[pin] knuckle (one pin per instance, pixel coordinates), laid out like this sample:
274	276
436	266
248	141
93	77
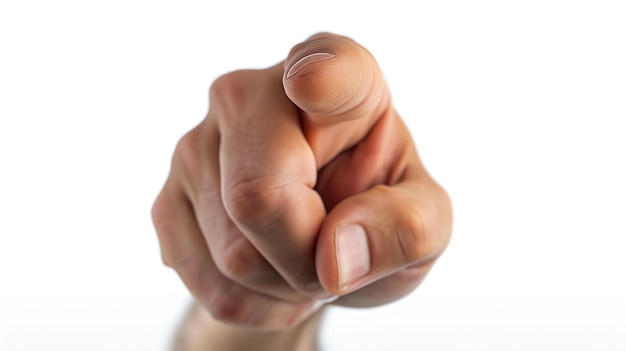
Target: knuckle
167	259
163	224
426	229
412	234
189	268
236	260
158	213
225	308
412	237
233	305
443	217
187	265
231	89
187	153
257	202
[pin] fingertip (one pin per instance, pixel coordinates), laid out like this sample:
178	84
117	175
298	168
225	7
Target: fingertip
318	81
306	60
330	75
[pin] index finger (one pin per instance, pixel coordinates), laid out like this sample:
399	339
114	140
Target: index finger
340	89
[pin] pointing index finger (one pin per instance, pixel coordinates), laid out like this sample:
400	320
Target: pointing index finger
340	89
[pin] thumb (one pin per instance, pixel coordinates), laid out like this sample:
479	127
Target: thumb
340	90
382	231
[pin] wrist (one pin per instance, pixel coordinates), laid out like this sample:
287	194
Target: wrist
199	331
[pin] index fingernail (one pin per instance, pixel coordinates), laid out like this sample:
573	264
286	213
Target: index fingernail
316	56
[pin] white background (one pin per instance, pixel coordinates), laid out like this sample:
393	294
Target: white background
517	108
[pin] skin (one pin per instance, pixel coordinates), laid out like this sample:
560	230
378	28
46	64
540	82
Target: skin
252	213
199	331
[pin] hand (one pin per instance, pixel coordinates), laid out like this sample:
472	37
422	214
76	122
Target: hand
301	184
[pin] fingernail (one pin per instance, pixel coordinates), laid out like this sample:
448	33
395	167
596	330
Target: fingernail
353	255
317	56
